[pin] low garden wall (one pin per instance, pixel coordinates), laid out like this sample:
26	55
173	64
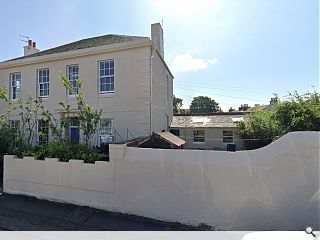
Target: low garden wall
272	188
74	181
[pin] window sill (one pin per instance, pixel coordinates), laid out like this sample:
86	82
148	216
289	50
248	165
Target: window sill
225	144
199	142
44	99
107	94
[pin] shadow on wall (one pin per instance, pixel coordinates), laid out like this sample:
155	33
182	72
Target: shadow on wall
267	218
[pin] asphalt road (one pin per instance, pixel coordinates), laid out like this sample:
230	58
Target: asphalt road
21	213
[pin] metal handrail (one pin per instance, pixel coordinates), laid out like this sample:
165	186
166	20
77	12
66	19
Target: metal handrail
117	134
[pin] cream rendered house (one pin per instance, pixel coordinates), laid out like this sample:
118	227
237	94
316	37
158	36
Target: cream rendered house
125	76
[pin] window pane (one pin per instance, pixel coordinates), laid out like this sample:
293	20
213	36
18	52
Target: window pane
228	136
15	83
43	78
106	72
227	133
17	92
43	132
106	131
108	81
73	76
198	136
103	88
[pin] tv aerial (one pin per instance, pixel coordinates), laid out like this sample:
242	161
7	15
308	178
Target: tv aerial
24	38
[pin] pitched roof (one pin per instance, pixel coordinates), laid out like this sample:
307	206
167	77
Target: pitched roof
84	43
171	138
203	121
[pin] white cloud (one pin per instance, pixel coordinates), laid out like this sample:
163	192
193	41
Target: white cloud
186	62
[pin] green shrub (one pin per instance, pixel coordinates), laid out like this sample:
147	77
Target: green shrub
40	152
26	152
62	150
259	130
88	154
296	113
6	139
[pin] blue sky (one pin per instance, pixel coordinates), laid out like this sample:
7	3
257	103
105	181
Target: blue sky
235	51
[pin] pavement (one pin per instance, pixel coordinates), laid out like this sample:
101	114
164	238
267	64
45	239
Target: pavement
22	213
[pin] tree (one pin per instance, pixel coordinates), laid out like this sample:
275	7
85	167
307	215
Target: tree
299	112
296	113
202	104
177	104
88	117
259	130
6	137
29	113
231	109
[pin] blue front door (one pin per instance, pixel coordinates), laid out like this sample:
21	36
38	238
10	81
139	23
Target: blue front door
74	134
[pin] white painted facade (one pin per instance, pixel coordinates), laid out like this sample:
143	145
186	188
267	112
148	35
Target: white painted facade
272	188
142	98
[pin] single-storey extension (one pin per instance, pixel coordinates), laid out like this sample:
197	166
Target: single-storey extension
212	131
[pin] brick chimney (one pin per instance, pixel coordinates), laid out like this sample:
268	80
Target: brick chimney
157	37
273	101
30	48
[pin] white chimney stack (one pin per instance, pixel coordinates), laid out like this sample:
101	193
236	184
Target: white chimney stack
30	48
157	37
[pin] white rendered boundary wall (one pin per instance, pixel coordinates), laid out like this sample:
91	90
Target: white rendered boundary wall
272	188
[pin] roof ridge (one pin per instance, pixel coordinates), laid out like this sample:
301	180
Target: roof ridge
82	44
